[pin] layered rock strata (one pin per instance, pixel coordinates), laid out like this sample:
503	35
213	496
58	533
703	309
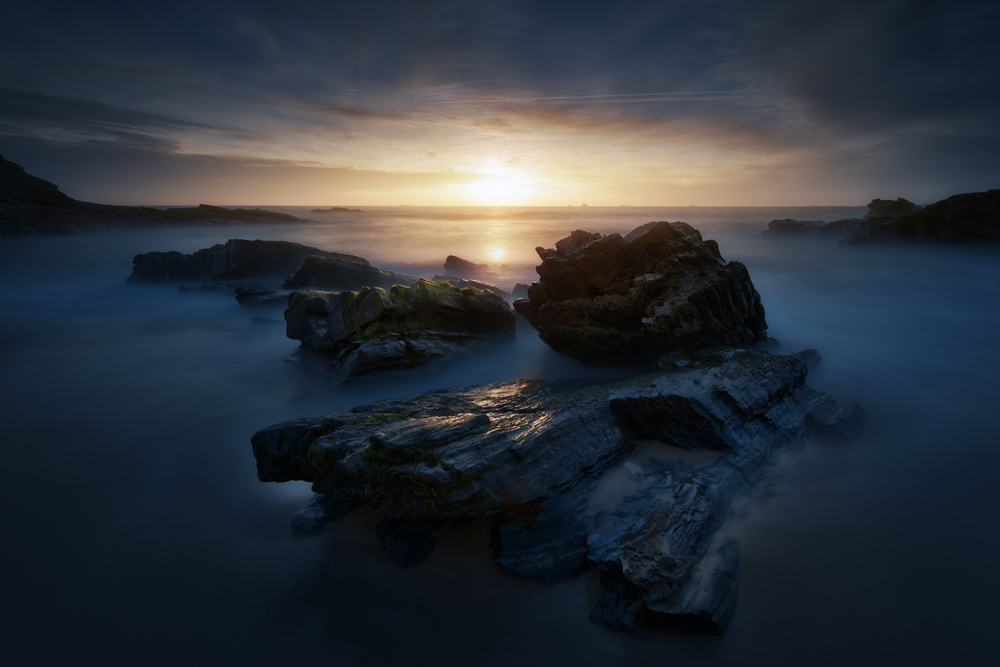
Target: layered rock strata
548	464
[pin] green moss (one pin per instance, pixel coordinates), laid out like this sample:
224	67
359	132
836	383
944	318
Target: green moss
388	417
401	492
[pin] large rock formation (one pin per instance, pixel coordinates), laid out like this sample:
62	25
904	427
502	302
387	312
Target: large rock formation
624	300
375	329
30	205
547	463
237	260
325	272
966	218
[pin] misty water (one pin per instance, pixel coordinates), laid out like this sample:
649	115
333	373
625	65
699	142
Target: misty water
135	530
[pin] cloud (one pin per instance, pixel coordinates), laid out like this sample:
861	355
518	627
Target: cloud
262	38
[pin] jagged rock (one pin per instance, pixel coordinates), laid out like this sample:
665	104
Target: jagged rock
790	226
237	260
19	188
543	461
375	329
661	288
889	208
966	218
465	282
520	291
463	268
342	273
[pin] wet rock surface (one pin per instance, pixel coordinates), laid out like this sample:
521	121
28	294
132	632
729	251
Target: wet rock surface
374	329
548	464
624	300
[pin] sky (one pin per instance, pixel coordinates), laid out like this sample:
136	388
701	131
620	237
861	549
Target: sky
533	103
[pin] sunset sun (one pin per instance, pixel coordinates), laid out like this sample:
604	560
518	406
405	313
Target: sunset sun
497	190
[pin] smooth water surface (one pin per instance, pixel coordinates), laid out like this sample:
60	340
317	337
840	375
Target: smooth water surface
135	530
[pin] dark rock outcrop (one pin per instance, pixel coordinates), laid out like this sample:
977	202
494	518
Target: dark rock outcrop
624	300
336	209
966	218
789	226
237	260
377	329
463	268
342	273
548	464
30	205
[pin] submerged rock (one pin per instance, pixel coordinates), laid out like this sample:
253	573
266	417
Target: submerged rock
966	218
624	300
319	271
545	462
237	260
376	329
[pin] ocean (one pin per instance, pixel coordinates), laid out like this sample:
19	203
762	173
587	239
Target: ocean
135	530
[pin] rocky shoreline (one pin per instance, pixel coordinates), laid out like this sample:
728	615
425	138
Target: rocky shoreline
968	218
31	206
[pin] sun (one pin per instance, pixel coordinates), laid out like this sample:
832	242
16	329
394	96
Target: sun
497	190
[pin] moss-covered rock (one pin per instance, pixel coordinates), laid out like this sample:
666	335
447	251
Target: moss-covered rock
375	328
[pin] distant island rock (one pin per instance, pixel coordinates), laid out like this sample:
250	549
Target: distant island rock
30	206
547	464
965	218
659	289
336	209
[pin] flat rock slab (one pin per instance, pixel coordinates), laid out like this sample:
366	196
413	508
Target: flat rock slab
547	463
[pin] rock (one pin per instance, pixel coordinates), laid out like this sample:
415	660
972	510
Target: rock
966	218
237	260
545	462
30	206
889	208
375	329
336	209
520	291
463	268
342	273
19	188
790	226
661	288
322	509
464	282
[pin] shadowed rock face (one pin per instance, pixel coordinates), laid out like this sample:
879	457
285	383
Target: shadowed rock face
328	272
966	218
546	462
19	188
623	300
376	329
236	260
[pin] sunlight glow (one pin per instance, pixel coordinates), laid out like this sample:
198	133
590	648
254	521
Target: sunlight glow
496	254
497	190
